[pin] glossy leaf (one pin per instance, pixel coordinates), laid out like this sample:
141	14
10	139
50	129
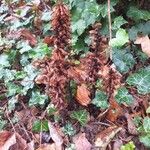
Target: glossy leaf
100	100
140	80
123	60
40	125
123	96
81	116
37	99
121	38
137	14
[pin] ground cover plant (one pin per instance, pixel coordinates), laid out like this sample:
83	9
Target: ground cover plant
74	75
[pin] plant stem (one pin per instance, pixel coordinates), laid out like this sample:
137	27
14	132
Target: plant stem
110	28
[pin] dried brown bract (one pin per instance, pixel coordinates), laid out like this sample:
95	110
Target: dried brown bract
61	26
54	70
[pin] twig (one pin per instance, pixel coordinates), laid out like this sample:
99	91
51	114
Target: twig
110	28
7	115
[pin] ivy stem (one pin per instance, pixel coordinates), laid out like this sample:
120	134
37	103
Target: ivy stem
110	29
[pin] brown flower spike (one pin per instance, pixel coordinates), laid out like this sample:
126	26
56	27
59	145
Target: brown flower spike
53	70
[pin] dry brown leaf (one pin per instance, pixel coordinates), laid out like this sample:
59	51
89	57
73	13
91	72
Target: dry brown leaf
104	137
49	40
30	146
83	95
117	144
47	147
114	111
20	144
14	141
131	126
25	33
55	135
145	44
7	139
81	142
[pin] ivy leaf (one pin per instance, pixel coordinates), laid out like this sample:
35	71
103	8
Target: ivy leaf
137	14
140	79
123	96
12	103
123	60
46	16
81	116
79	26
68	129
40	125
121	38
129	146
28	81
20	75
146	124
145	140
23	46
9	75
100	100
104	8
118	22
3	123
143	28
37	98
13	89
4	60
40	51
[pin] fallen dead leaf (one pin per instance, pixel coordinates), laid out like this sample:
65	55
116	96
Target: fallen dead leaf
25	33
47	147
117	144
30	146
20	144
81	142
7	139
49	40
114	111
131	126
55	135
14	141
104	137
83	95
145	44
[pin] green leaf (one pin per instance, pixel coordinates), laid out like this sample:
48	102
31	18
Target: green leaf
100	100
68	129
3	123
46	16
40	126
123	60
136	14
118	22
37	98
129	146
40	51
121	38
79	26
12	103
145	140
143	28
51	109
23	46
140	80
4	60
123	96
13	89
81	116
146	124
20	75
28	81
